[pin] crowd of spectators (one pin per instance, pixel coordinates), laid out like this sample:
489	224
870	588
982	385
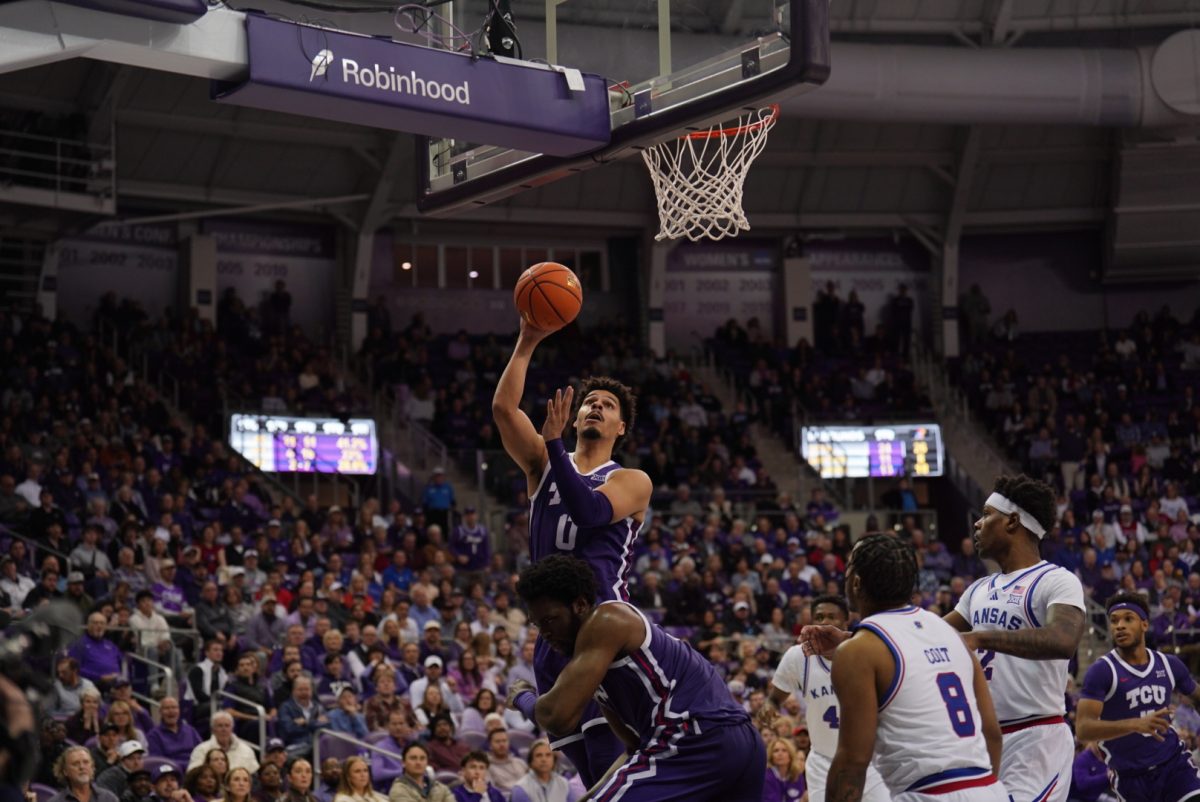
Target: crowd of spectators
385	625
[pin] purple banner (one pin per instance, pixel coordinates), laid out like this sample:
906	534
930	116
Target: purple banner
718	257
314	72
177	11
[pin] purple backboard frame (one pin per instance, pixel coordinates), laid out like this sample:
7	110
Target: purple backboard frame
178	11
808	65
284	76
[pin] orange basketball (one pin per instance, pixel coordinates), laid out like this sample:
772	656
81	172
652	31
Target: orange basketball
548	295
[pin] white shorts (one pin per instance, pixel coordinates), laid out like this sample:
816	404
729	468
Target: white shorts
816	774
1036	763
984	793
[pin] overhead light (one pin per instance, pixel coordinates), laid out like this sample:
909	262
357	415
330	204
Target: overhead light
406	265
473	274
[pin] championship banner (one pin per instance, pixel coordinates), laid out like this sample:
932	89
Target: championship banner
707	283
141	260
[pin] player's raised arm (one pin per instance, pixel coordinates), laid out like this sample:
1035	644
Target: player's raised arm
1090	727
1058	639
857	668
521	440
627	492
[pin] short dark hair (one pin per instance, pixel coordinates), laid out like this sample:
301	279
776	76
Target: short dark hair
412	746
475	756
558	577
835	600
887	567
1033	496
143	594
626	399
1138	600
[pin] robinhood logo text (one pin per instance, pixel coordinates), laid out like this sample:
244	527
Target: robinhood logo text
376	77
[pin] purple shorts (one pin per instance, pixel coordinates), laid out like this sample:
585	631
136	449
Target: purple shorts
1175	780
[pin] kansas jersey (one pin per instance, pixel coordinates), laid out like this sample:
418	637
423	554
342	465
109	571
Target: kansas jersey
607	549
1129	691
1022	690
665	690
929	738
810	677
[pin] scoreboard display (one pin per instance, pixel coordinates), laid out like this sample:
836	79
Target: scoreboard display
278	444
857	452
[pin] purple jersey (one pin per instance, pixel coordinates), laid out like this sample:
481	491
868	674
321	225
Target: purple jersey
666	689
607	549
1128	691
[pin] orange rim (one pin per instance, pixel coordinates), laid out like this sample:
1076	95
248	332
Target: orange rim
737	129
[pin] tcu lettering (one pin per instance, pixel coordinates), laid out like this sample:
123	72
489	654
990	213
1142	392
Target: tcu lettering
996	616
1147	694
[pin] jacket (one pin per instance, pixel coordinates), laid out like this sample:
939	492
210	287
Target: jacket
405	790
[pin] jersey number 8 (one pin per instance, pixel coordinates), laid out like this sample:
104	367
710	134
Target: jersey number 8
957	706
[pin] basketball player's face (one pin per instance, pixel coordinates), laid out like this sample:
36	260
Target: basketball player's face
1127	628
599	417
991	533
829	615
557	623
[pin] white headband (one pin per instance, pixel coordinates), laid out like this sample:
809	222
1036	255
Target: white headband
1007	506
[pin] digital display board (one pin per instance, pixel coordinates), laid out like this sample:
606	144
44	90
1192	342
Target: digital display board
278	444
900	449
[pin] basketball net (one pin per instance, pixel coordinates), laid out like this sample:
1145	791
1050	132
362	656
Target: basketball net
699	177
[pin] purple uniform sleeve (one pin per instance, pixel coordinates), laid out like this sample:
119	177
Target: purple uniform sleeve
1097	682
588	508
1183	679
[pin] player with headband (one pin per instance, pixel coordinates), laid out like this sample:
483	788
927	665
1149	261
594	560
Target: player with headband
1124	705
1025	623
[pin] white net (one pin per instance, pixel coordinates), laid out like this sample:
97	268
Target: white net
699	177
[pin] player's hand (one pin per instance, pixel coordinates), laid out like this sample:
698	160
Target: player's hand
1155	724
558	412
531	334
516	688
822	639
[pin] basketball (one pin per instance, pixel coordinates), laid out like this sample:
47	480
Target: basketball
548	296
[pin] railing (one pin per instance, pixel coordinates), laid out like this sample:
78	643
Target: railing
34	543
261	747
190	633
350	739
167	673
57	164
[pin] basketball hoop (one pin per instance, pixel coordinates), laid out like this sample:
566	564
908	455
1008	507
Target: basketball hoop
698	177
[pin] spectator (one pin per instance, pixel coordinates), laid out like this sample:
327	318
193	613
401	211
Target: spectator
785	772
266	629
385	700
116	778
331	775
205	680
470	543
346	717
87	721
202	783
76	777
141	787
300	717
355	783
475	786
445	751
68	686
121	714
52	739
99	658
15	584
433	676
505	769
438	499
173	738
542	783
223	737
104	753
77	593
415	784
299	782
384	767
245	685
87	556
239	785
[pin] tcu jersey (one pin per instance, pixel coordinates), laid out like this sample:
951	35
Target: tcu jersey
607	549
666	690
1129	691
929	738
1022	690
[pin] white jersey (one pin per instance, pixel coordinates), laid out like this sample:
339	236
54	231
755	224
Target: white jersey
930	734
1022	690
810	677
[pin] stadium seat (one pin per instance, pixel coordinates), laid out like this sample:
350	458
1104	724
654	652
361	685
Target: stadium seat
42	792
334	746
520	741
475	740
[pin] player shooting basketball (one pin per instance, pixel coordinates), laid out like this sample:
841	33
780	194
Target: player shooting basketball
582	504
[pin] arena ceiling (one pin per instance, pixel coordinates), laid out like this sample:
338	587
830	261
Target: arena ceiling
178	152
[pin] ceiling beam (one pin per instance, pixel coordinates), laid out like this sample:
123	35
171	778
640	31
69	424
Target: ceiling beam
286	131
